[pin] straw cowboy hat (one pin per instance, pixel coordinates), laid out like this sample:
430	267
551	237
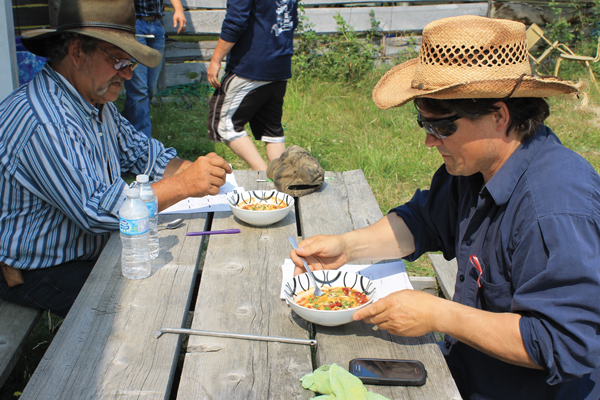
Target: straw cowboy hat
112	21
468	57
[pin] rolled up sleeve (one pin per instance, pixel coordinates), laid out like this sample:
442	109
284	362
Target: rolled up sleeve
431	216
559	324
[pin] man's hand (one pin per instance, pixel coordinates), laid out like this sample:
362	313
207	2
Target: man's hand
403	313
212	73
388	238
183	179
178	16
415	313
205	176
320	252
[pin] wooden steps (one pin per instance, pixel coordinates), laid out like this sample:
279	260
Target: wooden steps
17	323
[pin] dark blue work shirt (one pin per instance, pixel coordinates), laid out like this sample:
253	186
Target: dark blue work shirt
535	226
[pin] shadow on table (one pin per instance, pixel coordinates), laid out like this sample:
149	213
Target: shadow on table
165	257
362	329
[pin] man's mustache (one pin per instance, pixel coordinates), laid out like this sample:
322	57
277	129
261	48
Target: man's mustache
117	79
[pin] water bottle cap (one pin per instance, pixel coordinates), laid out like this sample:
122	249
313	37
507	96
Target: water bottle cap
133	192
142	178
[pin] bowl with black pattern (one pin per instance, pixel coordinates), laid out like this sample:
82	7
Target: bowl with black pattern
260	207
302	286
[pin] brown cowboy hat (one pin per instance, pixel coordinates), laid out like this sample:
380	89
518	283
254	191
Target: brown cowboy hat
112	21
468	57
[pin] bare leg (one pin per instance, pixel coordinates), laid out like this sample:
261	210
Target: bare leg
274	150
247	151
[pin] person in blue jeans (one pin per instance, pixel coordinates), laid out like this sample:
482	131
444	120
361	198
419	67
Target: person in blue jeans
141	87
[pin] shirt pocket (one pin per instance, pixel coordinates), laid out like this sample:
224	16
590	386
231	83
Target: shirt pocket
497	296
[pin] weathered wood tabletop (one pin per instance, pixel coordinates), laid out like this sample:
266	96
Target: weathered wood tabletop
106	347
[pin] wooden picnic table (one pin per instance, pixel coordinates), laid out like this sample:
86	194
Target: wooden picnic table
107	348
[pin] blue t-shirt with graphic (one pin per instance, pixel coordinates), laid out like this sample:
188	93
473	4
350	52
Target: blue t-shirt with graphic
263	33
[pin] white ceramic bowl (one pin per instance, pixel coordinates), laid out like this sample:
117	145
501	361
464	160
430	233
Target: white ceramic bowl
260	218
329	278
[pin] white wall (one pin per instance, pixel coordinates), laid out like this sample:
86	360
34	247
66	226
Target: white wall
8	55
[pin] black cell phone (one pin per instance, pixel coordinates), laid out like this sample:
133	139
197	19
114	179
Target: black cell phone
377	371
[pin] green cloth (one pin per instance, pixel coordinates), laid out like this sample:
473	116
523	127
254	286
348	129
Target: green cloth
335	383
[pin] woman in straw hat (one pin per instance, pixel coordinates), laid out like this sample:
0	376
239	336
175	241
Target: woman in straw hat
519	211
64	147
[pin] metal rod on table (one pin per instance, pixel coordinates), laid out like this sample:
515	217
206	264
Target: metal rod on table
308	342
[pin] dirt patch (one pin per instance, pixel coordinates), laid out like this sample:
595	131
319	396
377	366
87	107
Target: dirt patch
596	111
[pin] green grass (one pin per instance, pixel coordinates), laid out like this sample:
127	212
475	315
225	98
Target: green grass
181	123
194	39
344	130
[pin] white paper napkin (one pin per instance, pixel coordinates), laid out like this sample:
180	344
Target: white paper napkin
215	203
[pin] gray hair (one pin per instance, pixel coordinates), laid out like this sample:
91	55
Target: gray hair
57	47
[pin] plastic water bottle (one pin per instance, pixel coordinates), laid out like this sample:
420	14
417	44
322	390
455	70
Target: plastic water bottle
148	196
133	222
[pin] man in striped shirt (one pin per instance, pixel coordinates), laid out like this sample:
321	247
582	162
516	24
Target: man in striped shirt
64	147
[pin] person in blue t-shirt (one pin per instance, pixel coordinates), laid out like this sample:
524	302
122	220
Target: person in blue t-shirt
519	211
257	38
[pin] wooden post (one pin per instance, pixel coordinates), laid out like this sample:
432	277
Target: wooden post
8	52
53	12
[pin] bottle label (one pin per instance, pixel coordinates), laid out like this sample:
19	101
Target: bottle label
152	208
134	226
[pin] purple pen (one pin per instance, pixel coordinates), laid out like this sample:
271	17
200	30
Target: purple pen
212	232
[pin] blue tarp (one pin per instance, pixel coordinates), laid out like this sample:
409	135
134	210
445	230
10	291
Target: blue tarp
29	64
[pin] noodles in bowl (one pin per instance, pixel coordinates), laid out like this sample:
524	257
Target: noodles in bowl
335	298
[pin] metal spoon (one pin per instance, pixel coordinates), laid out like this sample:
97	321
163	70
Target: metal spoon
318	292
175	223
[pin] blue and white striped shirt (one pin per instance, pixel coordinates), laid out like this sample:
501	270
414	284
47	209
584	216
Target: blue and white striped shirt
60	172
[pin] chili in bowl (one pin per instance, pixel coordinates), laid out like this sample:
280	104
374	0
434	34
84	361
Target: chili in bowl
260	207
345	293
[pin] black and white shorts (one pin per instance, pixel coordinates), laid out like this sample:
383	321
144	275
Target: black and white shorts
240	101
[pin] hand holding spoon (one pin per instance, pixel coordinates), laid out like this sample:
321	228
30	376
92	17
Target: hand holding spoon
318	292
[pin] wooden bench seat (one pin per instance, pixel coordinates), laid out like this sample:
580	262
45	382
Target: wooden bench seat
445	272
16	324
424	283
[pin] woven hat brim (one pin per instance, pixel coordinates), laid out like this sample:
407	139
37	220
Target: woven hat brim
32	40
395	89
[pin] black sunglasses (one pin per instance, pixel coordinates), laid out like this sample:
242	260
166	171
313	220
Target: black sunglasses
120	63
439	128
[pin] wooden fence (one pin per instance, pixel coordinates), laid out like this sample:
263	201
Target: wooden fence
187	62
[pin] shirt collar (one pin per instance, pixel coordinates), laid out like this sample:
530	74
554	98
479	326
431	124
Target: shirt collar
503	183
76	98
